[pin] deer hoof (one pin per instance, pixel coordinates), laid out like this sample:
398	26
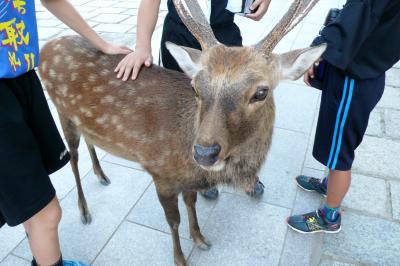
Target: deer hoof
86	218
203	244
105	181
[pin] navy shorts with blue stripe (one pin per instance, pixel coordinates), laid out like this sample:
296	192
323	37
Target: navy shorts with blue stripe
346	105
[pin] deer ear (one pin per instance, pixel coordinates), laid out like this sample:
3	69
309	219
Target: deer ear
187	58
295	63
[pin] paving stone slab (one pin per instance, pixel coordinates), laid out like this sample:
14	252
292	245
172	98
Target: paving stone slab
365	239
134	245
148	212
395	193
108	205
390	98
10	237
47	33
329	262
375	157
15	261
369	195
120	161
375	123
295	107
393	77
115	27
392	123
110	18
310	161
243	232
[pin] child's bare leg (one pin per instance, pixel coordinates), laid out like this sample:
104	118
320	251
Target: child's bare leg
42	230
338	185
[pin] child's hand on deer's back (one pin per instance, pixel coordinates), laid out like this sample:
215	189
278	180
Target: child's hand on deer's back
110	48
133	62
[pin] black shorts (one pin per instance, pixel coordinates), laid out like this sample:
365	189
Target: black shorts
30	149
346	104
177	33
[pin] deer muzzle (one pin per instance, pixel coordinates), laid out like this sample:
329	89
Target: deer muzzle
206	156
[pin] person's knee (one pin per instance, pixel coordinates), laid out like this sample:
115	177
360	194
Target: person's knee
47	219
53	215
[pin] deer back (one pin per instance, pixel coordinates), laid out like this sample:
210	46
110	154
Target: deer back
136	120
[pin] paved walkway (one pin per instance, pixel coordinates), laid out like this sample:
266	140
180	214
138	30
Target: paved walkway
129	228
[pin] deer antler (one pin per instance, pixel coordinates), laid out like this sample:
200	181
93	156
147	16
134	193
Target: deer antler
196	22
296	13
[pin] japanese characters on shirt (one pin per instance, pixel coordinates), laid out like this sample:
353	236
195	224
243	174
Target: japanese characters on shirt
19	49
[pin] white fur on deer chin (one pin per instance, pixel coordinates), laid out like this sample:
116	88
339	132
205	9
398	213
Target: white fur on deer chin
219	166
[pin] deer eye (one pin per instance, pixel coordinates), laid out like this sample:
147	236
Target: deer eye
260	95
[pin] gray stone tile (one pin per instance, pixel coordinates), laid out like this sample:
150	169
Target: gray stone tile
127	39
295	107
390	98
310	161
365	239
395	194
375	124
300	249
375	157
116	27
156	218
46	33
369	195
393	77
392	123
100	3
10	237
109	18
309	32
116	160
15	261
137	245
48	23
243	232
330	262
108	205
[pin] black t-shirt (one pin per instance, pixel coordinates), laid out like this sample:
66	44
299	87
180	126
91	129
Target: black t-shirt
364	40
219	15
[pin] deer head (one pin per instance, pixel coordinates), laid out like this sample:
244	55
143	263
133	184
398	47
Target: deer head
234	85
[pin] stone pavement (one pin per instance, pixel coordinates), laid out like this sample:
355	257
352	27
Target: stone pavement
128	225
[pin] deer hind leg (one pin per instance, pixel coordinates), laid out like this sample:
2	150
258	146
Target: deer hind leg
72	137
104	180
190	198
169	203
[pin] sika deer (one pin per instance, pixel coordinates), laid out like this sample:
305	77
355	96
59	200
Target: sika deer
210	126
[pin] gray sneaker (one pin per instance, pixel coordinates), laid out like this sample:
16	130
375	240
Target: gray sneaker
308	183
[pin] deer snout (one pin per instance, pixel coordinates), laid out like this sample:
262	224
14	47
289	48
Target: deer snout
206	156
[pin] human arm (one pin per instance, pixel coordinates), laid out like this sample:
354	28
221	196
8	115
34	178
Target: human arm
146	22
260	7
64	11
350	29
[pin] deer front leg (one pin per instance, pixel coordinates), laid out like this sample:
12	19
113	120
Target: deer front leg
169	203
72	136
98	171
190	198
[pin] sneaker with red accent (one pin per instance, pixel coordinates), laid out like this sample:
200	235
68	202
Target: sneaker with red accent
314	222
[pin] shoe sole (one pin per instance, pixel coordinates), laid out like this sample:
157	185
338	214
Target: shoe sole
314	232
309	190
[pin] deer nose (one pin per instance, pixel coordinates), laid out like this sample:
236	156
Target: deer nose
206	156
